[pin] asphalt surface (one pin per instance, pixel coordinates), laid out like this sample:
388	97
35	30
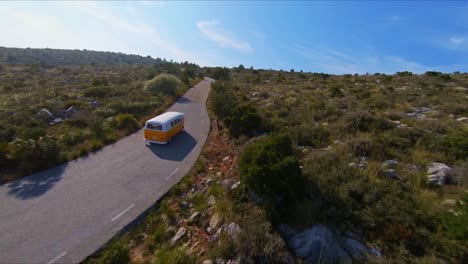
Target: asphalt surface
65	214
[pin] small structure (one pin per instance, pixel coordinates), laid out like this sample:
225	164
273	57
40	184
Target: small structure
72	110
45	115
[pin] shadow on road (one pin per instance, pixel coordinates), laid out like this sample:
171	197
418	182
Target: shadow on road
184	100
176	150
36	184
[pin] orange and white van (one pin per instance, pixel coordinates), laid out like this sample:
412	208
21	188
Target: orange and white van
162	128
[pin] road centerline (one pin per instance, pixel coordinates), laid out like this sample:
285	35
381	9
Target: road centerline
57	257
172	173
123	212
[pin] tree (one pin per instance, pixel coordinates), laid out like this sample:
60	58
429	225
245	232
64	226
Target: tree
221	74
269	167
163	83
222	100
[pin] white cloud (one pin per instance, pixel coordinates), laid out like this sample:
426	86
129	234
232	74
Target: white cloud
457	40
334	61
215	33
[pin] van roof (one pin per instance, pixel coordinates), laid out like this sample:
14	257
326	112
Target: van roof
163	118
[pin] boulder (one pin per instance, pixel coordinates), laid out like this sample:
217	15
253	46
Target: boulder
462	119
438	173
178	235
207	261
321	244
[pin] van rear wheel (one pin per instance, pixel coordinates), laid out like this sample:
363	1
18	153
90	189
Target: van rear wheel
170	140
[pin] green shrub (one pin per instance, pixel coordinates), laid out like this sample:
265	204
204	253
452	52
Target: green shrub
98	92
222	99
364	121
257	240
364	146
116	252
455	222
269	168
335	91
311	135
4	151
244	120
34	155
175	256
127	122
163	83
457	144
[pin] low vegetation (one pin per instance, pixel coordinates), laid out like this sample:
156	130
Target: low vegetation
57	105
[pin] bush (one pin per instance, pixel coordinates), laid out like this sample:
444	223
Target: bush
457	144
244	120
364	121
4	150
175	256
99	92
311	135
258	242
223	100
269	168
163	83
127	122
36	154
117	252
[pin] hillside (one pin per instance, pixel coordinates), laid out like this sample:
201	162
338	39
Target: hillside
344	168
57	105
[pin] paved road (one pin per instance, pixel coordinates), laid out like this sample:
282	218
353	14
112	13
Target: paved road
65	214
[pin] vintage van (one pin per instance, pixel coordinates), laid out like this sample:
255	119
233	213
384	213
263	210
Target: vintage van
162	128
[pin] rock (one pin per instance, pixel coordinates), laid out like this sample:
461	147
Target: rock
178	235
352	164
255	94
462	119
390	163
228	183
233	229
45	115
209	230
390	173
220	261
95	104
219	174
226	159
285	231
194	217
208	261
449	202
184	204
61	114
211	200
437	173
460	89
214	221
362	166
320	244
235	185
363	159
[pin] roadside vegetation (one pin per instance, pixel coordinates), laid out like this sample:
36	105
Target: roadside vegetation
58	105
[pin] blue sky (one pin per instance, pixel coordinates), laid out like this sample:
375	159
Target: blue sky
332	37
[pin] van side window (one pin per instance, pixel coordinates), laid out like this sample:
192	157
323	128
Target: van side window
172	123
154	126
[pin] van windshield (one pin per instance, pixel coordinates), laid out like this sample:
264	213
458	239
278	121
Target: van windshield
154	126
